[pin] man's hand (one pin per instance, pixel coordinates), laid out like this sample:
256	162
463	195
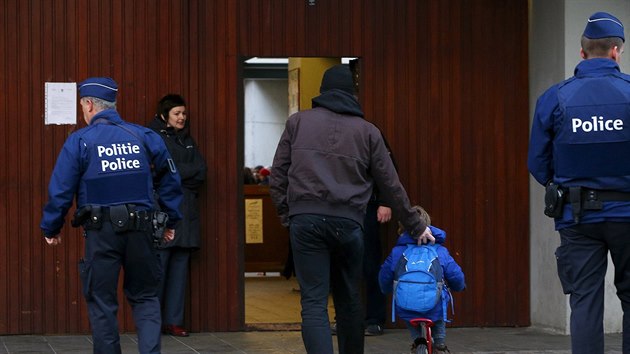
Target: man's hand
426	237
383	214
53	241
168	235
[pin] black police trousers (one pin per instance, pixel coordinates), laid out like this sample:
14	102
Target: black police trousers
105	253
582	261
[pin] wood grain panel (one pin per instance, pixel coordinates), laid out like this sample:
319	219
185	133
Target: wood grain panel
455	115
432	84
5	279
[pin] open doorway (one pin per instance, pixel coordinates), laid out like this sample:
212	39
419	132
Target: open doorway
273	88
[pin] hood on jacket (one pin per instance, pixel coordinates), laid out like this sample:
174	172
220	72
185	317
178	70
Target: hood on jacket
405	238
338	101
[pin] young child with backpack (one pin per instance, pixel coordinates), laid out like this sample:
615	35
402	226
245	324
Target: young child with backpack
431	265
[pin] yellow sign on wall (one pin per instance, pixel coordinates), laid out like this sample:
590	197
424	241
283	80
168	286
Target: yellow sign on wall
253	221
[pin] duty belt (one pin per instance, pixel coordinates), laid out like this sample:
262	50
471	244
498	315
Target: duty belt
591	199
131	220
122	217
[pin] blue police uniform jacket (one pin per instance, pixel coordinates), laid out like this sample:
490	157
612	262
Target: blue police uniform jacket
108	163
581	137
453	274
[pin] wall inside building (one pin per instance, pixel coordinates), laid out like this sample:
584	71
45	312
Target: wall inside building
267	107
266	111
555	31
310	71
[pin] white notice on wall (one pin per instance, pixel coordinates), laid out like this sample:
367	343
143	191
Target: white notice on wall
60	103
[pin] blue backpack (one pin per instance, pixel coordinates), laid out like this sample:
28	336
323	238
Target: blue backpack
418	280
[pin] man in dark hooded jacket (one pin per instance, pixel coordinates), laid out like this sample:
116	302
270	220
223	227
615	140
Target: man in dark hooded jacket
326	164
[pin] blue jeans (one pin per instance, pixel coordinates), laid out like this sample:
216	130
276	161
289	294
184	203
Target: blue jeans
438	332
582	261
328	255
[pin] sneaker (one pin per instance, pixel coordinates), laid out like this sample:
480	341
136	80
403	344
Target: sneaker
373	330
441	349
333	328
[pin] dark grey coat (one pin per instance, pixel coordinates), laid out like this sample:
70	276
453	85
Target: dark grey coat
192	169
328	160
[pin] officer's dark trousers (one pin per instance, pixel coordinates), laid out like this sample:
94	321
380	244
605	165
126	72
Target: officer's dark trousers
105	253
172	290
582	262
328	255
372	259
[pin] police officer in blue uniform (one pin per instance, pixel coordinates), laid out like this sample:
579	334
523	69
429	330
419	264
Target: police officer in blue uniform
112	167
580	151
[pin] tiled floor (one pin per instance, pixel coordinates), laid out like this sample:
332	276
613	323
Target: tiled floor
274	300
271	300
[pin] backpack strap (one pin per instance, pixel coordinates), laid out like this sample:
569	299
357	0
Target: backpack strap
394	302
445	304
443	288
400	269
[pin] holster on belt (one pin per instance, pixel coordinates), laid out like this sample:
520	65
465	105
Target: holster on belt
575	197
89	216
158	220
554	200
81	215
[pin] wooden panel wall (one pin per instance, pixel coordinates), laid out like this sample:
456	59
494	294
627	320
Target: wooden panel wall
151	48
445	80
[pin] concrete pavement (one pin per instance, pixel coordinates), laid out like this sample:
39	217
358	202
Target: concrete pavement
459	340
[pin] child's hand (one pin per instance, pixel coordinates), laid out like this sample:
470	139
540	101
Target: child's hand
426	237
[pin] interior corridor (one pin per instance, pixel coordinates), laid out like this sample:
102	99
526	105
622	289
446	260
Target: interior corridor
273	302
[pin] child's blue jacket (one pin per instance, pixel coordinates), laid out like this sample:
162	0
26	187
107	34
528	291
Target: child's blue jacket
452	273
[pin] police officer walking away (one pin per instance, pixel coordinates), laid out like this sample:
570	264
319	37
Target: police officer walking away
108	165
580	150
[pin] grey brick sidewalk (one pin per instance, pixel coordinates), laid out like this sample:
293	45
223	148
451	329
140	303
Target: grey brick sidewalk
459	340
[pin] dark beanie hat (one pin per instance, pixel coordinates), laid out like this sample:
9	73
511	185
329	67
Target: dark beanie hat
338	77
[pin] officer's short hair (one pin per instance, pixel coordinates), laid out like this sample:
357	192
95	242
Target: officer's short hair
167	103
599	47
101	104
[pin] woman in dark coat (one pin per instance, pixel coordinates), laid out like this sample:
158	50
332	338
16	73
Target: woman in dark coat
173	126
